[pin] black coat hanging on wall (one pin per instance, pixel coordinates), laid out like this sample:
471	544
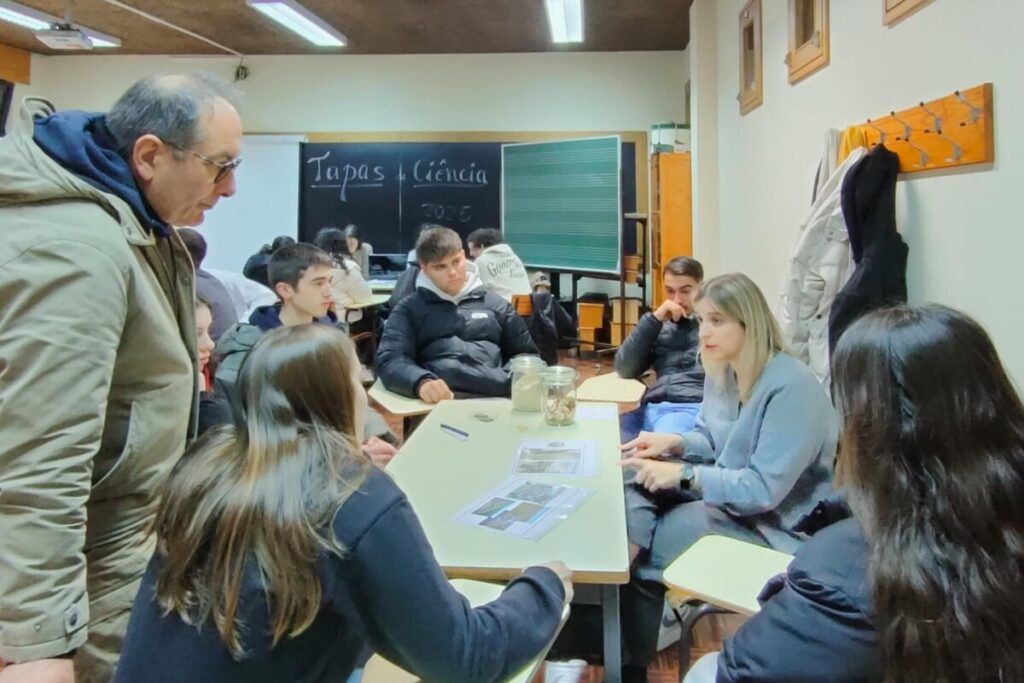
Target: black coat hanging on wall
880	254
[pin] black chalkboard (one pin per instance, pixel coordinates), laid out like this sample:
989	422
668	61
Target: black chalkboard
389	188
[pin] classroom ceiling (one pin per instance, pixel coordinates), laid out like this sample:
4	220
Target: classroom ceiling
372	26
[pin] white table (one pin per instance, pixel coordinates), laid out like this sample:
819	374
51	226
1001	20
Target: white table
442	474
386	286
375	300
380	670
726	572
611	388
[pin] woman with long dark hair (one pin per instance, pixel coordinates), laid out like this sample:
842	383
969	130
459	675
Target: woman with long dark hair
282	555
925	584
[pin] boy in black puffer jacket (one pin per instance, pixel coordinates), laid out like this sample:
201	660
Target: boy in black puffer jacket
451	337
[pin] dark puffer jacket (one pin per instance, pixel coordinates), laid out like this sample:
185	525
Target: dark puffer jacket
816	622
671	349
547	324
465	344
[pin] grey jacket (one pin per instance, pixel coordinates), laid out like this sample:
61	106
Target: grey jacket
670	348
769	461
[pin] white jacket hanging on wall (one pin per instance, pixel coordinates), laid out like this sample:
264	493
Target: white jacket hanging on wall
819	267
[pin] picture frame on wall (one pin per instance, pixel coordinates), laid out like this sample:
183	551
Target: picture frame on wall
751	94
809	50
6	98
895	11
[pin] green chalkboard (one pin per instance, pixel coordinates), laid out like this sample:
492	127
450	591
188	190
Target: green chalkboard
561	203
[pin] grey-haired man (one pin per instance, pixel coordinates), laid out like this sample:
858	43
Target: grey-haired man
97	353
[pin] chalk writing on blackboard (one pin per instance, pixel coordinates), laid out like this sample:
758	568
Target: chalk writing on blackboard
345	177
437	173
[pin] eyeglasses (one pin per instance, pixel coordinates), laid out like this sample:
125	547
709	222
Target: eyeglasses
223	167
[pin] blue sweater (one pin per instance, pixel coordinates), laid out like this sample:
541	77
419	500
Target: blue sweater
387	594
769	461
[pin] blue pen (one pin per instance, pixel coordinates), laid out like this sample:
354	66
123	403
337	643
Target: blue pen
457	433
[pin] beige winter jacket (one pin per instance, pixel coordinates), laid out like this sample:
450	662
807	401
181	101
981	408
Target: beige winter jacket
97	396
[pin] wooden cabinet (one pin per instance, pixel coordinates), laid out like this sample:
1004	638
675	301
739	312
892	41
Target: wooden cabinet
671	215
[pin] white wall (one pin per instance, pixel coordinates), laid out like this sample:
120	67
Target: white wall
963	227
609	91
501	92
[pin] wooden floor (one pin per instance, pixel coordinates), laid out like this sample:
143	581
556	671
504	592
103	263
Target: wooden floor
710	631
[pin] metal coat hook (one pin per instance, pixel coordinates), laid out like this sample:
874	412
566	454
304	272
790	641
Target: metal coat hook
906	126
937	124
975	112
922	155
881	132
936	121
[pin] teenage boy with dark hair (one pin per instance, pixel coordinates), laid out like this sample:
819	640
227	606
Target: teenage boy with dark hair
499	267
300	275
667	340
452	335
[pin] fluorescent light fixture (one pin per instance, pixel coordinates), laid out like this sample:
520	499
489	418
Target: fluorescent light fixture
26	17
297	18
565	17
34	20
100	39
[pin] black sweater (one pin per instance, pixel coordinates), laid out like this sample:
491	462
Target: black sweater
670	348
387	594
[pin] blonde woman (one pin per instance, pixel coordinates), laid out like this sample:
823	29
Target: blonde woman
759	459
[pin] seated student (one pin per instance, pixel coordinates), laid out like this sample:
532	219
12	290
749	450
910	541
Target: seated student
667	340
924	582
759	459
451	335
301	275
208	287
347	281
255	267
283	556
213	409
357	248
548	322
500	269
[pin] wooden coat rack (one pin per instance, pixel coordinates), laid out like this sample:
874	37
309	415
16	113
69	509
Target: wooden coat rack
951	131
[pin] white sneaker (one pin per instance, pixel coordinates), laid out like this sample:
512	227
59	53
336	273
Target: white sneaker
565	672
670	630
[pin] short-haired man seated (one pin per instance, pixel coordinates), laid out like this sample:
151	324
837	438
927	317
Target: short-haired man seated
451	336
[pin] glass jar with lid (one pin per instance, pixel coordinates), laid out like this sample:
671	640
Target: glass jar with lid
559	395
527	386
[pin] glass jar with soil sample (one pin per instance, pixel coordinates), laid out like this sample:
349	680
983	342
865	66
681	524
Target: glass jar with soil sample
527	386
559	395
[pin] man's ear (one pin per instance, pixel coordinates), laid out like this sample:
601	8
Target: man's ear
284	290
144	155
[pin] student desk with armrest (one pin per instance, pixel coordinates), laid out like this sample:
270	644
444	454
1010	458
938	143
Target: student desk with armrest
720	574
612	389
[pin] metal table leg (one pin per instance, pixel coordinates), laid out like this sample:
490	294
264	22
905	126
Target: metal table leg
612	634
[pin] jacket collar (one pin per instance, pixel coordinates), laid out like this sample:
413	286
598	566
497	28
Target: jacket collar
66	183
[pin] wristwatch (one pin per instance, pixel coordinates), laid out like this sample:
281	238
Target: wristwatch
686	476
